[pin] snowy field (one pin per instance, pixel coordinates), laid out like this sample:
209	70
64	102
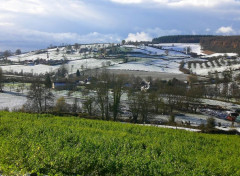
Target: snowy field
52	54
155	51
195	119
77	60
195	48
36	69
72	66
150	66
11	101
220	65
205	71
222	54
151	60
164	64
14	100
91	63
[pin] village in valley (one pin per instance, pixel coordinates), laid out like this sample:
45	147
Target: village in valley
176	83
119	87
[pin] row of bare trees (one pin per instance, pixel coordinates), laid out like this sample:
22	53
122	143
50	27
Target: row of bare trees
109	95
40	97
104	97
8	53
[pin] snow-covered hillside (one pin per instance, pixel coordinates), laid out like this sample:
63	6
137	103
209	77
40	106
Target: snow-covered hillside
58	53
181	47
155	51
217	65
156	60
154	65
72	66
153	58
82	58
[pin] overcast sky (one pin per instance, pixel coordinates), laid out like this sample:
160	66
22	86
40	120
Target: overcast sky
35	24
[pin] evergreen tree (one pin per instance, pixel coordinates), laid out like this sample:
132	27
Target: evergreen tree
78	73
48	82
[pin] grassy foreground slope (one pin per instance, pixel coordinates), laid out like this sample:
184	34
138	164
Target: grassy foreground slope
69	146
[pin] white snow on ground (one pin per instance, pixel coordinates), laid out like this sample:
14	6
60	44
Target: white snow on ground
228	128
36	69
172	127
128	46
204	71
155	51
223	64
221	54
155	66
11	101
195	119
73	66
169	64
221	103
54	55
195	47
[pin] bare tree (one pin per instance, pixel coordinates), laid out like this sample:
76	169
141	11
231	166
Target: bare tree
61	105
62	71
225	91
76	46
39	98
88	104
144	106
134	105
234	90
192	79
167	52
18	52
6	54
188	50
156	101
75	106
117	93
102	89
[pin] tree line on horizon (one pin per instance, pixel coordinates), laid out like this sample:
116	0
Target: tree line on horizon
218	44
181	39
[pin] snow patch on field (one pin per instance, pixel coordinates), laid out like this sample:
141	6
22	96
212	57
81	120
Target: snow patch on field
73	66
52	54
221	54
36	69
155	51
152	66
172	127
221	103
11	101
195	47
205	71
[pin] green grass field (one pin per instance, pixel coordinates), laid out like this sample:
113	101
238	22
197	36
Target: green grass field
49	145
